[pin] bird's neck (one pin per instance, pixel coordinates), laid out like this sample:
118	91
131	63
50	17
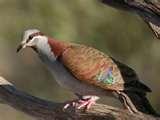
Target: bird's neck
57	47
44	50
51	49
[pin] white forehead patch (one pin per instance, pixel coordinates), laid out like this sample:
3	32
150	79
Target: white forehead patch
27	33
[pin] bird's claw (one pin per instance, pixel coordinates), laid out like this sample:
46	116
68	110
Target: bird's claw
82	103
71	103
86	103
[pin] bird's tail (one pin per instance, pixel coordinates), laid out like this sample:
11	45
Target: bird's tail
136	101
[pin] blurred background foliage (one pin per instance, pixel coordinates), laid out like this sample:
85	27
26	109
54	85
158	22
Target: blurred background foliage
118	33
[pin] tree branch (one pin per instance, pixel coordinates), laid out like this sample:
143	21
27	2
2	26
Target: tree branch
47	110
149	10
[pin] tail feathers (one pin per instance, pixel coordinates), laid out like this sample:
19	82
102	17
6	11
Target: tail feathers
137	86
141	102
142	87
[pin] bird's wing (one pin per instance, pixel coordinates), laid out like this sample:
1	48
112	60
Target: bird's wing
94	67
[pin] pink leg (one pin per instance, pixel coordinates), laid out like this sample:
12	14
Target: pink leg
85	101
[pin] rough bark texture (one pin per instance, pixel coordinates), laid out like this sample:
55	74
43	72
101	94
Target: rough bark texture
47	110
149	10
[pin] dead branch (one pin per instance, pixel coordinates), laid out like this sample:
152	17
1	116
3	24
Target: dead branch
148	10
46	110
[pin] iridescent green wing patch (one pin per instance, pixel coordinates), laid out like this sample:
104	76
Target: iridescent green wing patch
106	77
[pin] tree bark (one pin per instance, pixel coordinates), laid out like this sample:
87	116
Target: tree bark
148	10
46	110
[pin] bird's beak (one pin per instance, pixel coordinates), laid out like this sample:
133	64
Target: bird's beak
20	47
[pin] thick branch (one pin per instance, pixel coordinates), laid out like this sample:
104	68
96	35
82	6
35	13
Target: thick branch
149	10
46	110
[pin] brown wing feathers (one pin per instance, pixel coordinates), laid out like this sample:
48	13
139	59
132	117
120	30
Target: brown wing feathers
92	66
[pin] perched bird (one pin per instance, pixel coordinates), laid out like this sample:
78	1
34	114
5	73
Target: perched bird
88	72
149	10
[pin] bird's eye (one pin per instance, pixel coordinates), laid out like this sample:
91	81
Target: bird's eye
30	37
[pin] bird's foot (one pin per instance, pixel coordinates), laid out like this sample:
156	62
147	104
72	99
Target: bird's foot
85	102
70	103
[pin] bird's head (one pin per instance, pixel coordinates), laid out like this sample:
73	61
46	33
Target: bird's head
36	40
32	38
43	45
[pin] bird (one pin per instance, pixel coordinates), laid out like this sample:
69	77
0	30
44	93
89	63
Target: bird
148	10
88	72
